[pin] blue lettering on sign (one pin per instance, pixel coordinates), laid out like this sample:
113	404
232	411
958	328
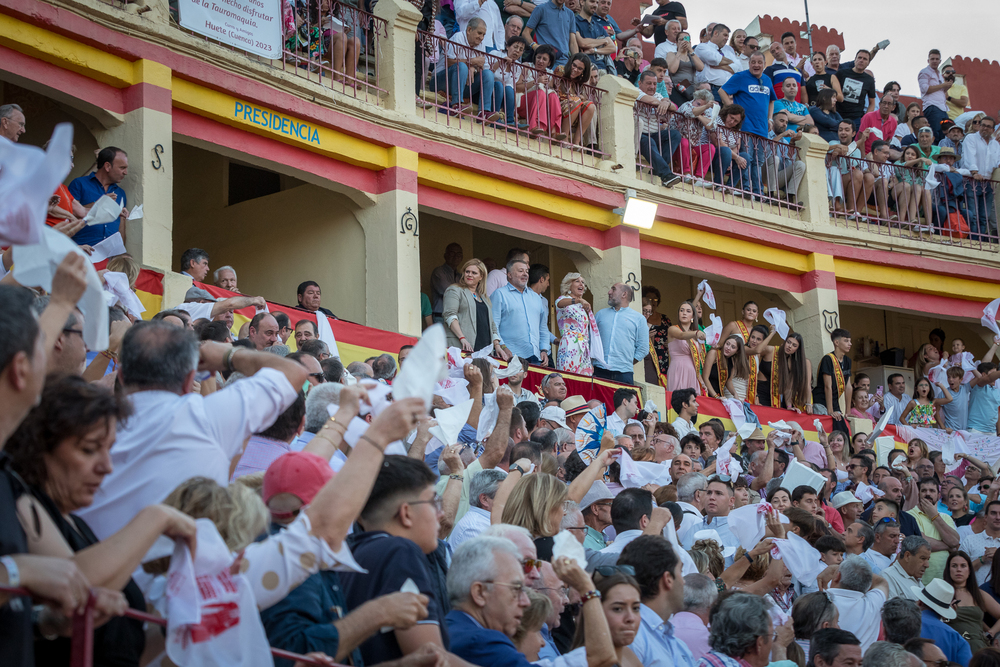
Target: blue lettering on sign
276	122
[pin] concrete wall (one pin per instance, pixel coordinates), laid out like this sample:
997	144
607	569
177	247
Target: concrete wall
274	242
894	329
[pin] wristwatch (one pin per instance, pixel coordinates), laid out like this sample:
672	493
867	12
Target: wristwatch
519	469
13	574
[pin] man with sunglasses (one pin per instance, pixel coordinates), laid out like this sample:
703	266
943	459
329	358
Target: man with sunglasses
982	547
69	354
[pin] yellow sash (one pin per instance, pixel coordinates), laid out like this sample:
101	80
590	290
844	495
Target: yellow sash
838	374
775	380
743	330
697	356
752	384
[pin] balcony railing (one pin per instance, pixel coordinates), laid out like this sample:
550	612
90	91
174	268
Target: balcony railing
717	162
333	44
894	200
486	95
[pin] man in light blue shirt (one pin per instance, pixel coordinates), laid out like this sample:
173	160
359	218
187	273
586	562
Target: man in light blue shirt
717	497
657	568
984	400
521	316
624	335
554	23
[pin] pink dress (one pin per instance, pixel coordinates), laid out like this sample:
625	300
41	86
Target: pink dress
681	373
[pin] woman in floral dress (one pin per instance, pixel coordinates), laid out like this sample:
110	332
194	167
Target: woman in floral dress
577	327
658	325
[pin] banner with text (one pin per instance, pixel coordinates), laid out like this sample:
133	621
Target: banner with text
251	25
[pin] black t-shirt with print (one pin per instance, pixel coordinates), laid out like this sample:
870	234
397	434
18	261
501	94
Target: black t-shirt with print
857	89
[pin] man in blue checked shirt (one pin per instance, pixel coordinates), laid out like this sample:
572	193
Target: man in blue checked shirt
521	316
624	335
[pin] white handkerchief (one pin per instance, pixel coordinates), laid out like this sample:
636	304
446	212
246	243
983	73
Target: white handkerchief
488	416
651	407
103	211
880	426
801	558
883	447
938	374
776	316
687	563
35	265
513	368
798	474
28	177
746	430
109	247
452	391
713	332
425	367
748	524
325	333
635	474
708	296
948	452
135	213
451	421
565	544
409	586
989	318
116	284
877	132
866	493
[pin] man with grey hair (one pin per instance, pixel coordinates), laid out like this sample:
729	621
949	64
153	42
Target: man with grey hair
689	490
315	348
859	596
522	539
320	397
384	367
521	316
11	122
672	29
573	521
172	431
886	654
907	570
225	277
741	629
700	593
901	620
596	508
360	370
883	549
553	387
482	491
624	335
513	27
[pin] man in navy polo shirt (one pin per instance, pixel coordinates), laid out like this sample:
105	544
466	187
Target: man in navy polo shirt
554	23
753	91
112	168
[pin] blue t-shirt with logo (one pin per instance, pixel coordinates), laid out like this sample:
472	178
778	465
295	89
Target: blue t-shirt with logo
754	95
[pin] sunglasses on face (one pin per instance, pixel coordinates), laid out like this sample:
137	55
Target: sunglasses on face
530	564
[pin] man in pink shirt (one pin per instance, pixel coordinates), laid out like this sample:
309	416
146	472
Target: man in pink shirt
881	119
691	624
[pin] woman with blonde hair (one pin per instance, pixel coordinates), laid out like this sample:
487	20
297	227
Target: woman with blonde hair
536	503
468	312
577	326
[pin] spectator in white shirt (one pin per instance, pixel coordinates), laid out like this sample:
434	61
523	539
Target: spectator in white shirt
626	402
488	11
897	399
882	552
982	547
482	491
498	277
669	45
859	596
172	431
685	403
933	92
981	155
718	57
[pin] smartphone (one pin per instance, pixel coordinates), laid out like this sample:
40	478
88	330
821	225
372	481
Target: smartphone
641	416
878	391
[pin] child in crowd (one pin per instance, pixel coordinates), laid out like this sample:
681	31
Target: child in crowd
831	549
920	411
955	414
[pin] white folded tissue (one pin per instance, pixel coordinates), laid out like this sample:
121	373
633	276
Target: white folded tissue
28	177
135	213
798	474
409	586
451	421
777	317
564	544
425	367
109	247
708	296
802	559
105	210
713	332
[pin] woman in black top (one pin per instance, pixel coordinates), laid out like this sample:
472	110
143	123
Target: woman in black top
62	450
820	80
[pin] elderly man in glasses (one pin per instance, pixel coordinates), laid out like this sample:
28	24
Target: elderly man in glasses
489	594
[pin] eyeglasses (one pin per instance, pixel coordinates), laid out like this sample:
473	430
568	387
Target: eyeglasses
320	377
562	589
530	564
584	528
518	588
436	501
610	570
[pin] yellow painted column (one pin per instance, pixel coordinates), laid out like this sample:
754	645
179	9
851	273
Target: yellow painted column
813	193
396	71
392	248
146	136
618	121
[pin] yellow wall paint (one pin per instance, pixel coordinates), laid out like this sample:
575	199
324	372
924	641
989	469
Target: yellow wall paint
912	280
738	250
221	107
66	53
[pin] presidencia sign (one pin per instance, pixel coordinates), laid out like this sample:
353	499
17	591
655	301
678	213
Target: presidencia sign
251	25
276	122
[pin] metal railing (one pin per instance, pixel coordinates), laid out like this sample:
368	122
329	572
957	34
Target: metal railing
334	44
892	199
82	650
486	95
717	162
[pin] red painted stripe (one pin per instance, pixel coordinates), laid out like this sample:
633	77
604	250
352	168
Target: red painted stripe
146	95
396	178
620	235
60	82
536	226
818	279
884	297
197	127
697	264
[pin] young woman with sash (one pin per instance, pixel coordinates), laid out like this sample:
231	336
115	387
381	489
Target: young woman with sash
762	355
727	370
743	325
687	352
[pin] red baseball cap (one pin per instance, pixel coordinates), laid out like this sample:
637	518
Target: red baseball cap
301	474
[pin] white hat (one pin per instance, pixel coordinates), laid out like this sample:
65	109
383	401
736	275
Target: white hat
712	534
843	498
938	596
557	415
598	491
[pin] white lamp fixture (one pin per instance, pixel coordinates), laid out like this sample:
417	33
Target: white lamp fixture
637	213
